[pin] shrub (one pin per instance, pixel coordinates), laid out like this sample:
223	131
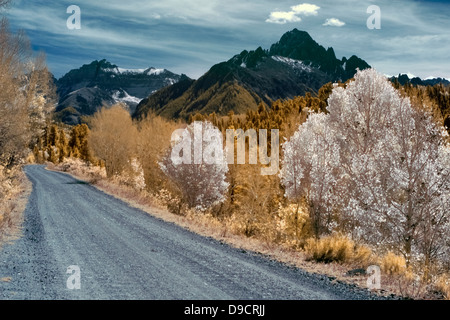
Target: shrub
393	264
336	248
443	285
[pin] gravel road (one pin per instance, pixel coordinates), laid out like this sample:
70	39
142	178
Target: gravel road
124	253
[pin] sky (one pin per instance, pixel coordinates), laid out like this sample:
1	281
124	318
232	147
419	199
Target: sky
189	37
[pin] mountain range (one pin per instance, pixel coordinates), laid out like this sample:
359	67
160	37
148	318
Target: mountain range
294	65
83	91
416	81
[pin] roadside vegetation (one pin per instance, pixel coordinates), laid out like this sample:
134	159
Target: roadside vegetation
314	213
26	101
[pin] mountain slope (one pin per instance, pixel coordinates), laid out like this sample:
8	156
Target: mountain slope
83	91
293	66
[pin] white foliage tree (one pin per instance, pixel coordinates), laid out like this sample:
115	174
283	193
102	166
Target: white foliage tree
417	187
391	160
310	159
392	180
196	164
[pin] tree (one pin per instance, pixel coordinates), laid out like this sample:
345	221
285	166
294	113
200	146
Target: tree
381	162
308	166
256	200
416	185
26	95
113	139
62	146
201	183
152	144
391	164
53	135
79	143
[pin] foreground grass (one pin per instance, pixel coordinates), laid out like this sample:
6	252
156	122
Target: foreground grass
16	189
333	256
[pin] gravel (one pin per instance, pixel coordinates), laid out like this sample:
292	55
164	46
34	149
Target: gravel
125	253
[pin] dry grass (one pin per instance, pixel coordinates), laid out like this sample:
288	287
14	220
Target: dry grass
392	264
15	190
411	282
407	285
338	248
443	285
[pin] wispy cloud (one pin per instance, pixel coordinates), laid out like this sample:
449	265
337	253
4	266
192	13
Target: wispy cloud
334	22
282	17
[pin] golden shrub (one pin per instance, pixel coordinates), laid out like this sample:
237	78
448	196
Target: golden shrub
443	285
337	248
363	256
393	264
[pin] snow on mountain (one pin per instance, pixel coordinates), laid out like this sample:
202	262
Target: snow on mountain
84	90
123	96
154	71
436	78
122	70
148	71
410	75
297	64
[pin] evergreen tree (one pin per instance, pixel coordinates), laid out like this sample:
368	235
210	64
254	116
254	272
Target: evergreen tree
62	145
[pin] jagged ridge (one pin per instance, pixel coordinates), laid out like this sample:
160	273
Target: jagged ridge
293	66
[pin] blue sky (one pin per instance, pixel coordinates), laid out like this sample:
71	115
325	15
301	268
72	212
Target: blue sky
189	37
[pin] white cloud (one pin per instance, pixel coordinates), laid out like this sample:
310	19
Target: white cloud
306	9
282	17
334	22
